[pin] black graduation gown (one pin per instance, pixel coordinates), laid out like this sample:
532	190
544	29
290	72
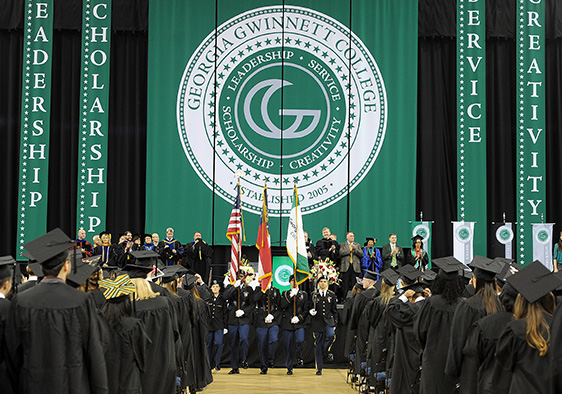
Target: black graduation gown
199	321
379	333
350	333
27	285
98	296
432	325
555	350
458	366
182	306
52	338
481	347
125	356
529	371
360	323
160	322
5	384
406	352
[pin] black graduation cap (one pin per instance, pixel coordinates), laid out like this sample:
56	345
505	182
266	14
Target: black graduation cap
369	239
215	282
50	249
94	261
6	262
146	236
104	233
416	237
428	276
178	269
416	287
534	281
189	281
33	265
409	272
485	268
169	277
80	273
449	267
322	277
390	276
509	268
371	275
145	257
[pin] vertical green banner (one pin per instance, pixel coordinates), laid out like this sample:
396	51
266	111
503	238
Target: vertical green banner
531	162
282	94
94	100
471	117
35	121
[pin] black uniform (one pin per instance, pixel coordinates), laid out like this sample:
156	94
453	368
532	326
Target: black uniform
481	347
217	324
292	306
239	327
323	324
40	352
432	327
268	333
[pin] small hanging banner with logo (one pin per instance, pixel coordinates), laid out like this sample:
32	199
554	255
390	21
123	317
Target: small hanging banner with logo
542	250
423	229
35	121
471	115
94	100
503	247
531	120
463	236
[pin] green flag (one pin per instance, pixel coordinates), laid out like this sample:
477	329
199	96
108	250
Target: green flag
296	246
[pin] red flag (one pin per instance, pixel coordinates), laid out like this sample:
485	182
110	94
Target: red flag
234	234
264	245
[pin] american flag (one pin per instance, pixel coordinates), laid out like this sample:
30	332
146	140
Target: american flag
234	234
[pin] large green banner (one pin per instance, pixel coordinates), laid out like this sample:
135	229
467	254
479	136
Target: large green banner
471	118
94	100
531	120
35	121
312	92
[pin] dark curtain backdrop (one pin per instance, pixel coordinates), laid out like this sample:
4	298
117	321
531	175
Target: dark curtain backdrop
436	170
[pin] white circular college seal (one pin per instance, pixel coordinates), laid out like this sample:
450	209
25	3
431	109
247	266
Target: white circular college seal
286	95
504	234
463	234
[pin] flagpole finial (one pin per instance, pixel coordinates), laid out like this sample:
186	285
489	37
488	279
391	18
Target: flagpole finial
504	217
421	216
238	174
542	217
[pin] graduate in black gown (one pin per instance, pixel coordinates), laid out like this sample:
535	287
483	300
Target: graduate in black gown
482	343
125	356
484	302
401	311
6	263
52	333
432	325
359	321
159	317
380	329
350	334
555	350
523	347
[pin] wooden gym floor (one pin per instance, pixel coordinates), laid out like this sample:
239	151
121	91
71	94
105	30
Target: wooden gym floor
303	381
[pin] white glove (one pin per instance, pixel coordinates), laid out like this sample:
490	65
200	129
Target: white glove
253	284
269	318
295	320
237	283
225	331
239	313
294	292
226	281
312	312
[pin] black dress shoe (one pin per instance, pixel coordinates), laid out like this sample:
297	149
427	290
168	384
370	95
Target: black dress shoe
330	357
263	371
234	371
289	372
270	364
244	364
300	362
218	368
319	372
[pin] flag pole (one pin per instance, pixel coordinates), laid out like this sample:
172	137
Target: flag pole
297	244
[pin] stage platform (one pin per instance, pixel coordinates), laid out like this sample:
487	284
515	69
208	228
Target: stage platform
303	381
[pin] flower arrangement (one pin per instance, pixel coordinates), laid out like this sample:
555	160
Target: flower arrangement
325	268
